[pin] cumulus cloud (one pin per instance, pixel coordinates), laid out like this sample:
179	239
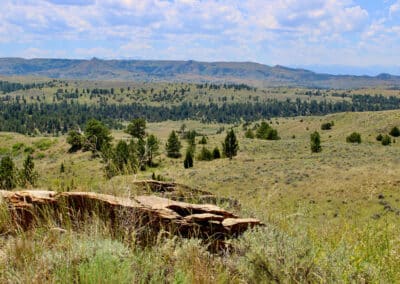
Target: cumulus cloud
259	30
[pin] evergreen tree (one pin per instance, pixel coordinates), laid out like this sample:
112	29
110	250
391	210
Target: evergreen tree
153	146
203	140
141	151
137	128
188	162
191	137
121	155
262	130
272	134
216	153
97	135
230	145
395	132
76	140
28	175
315	142
173	146
265	131
7	173
62	168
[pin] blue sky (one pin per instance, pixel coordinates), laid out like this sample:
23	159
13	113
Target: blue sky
312	33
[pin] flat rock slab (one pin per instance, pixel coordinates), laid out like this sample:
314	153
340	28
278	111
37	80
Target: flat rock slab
151	213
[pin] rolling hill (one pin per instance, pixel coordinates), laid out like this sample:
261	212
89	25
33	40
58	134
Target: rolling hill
187	71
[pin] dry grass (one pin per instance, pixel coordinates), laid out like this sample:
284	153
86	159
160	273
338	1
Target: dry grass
327	220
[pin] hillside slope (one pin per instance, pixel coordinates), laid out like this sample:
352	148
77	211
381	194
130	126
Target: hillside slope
186	71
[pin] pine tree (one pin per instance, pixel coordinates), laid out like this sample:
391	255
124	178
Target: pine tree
216	153
262	130
7	173
62	168
141	151
152	145
121	155
98	135
137	128
76	140
266	132
315	141
188	162
28	175
173	146
230	145
203	140
395	132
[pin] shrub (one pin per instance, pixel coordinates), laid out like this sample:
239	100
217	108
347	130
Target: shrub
249	134
326	126
205	155
379	137
265	131
43	144
315	141
272	134
395	132
354	137
386	140
17	147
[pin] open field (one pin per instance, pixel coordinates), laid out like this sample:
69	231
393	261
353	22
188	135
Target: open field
341	206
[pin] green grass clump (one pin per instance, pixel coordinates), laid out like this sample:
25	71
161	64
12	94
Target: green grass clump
43	144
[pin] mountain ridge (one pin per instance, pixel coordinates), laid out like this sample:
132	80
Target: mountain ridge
187	71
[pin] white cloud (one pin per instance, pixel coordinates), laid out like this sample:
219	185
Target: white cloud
270	31
394	8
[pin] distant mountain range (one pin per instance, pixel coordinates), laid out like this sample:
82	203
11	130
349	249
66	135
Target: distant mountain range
187	71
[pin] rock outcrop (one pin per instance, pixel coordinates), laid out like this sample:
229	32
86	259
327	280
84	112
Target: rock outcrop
143	214
181	192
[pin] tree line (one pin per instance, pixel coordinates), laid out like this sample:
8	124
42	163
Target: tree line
8	87
59	118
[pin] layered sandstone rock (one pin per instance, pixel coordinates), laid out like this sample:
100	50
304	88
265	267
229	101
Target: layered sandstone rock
142	213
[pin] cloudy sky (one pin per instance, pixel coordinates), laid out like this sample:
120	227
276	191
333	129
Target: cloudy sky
287	32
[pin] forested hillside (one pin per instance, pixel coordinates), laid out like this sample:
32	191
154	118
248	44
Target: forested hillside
55	106
186	71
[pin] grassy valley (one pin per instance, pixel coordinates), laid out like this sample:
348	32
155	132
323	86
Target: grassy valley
331	216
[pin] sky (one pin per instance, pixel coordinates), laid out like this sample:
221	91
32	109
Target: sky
320	34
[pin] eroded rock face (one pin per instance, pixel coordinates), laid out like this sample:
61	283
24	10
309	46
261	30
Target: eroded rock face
142	213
